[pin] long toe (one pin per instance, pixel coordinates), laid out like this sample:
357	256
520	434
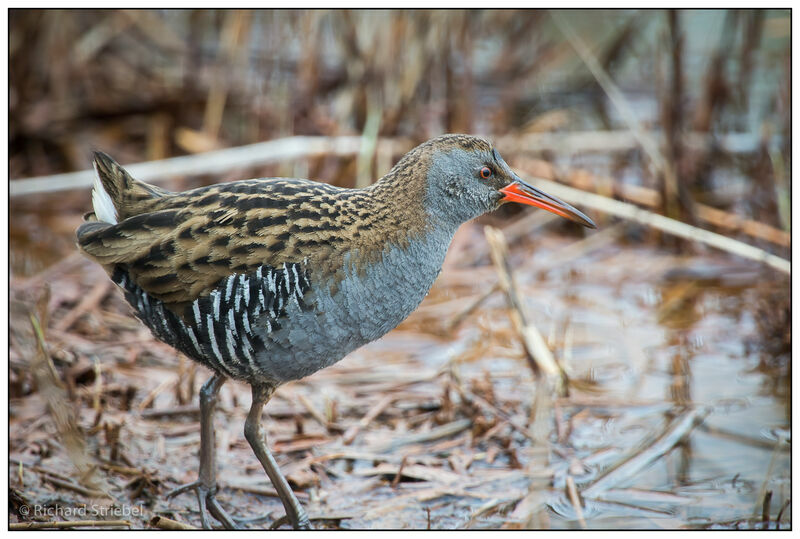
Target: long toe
220	513
183	488
303	522
208	505
201	501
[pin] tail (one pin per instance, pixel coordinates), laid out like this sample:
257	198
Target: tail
116	194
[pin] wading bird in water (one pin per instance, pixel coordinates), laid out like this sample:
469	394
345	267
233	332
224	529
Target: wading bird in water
270	280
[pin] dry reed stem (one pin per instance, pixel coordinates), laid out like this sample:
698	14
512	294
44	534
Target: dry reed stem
575	499
468	395
540	358
74	487
780	513
55	396
651	198
154	28
736	223
376	410
68	524
623	140
488	507
235	27
38	469
442	431
316	414
743	438
89	302
300	147
262	490
672	435
399	473
613	92
671	226
49	274
214	162
415	471
529	512
164	523
369	143
469	309
185	409
148	400
761	499
765	509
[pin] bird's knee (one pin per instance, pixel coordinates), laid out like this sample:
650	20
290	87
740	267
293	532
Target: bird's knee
252	431
209	390
207	395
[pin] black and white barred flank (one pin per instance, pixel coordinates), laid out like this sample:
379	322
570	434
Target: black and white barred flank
218	329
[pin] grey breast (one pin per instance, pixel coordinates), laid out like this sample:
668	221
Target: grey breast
365	306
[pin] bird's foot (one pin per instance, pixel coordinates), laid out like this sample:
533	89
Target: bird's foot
207	500
303	522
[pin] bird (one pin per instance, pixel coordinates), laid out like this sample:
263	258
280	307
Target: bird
269	280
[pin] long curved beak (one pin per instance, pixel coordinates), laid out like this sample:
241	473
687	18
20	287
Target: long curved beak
524	193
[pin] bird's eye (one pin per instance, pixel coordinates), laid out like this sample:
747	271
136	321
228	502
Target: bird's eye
486	173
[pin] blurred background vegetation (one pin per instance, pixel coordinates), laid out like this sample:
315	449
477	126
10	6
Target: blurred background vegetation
151	84
146	85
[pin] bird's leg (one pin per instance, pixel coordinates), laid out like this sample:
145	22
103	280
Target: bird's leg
206	484
254	433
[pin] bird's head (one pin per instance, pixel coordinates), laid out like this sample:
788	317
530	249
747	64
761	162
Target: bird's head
466	177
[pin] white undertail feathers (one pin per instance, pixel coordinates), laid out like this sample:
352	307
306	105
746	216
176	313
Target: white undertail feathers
103	206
